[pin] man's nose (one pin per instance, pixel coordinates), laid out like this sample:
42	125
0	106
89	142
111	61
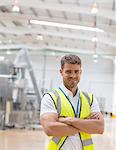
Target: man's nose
73	74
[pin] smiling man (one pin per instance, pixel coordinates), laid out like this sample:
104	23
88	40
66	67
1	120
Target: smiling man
69	116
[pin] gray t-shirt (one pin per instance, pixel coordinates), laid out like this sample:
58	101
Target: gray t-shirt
47	106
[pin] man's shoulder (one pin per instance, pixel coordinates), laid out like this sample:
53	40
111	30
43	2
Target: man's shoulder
50	92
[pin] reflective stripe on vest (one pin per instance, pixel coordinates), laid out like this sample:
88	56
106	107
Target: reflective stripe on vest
58	102
87	142
87	97
59	98
56	139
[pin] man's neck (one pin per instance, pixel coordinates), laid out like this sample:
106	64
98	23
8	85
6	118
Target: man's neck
74	91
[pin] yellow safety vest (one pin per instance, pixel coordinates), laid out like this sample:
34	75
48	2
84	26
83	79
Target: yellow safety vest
65	108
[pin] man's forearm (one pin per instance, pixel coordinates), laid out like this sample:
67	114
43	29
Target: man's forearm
92	126
53	127
59	129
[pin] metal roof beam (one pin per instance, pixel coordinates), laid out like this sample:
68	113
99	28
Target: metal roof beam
110	14
64	34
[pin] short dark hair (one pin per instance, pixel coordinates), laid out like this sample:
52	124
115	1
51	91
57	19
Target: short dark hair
70	59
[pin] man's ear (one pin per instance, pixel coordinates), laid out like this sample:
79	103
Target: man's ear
61	71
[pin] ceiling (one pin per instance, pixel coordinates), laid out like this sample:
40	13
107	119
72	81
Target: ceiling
17	32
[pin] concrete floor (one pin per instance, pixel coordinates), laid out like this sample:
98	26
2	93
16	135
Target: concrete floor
36	140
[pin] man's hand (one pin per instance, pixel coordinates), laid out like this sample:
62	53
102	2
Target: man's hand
68	121
95	115
65	120
53	127
94	124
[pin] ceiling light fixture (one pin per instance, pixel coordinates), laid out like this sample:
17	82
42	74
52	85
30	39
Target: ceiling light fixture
95	56
10	41
39	37
94	9
95	60
8	52
94	39
2	58
53	53
69	26
15	7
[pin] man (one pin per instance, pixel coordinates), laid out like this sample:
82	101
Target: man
69	115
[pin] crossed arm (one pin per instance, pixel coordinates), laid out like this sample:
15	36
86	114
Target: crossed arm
58	127
53	127
92	125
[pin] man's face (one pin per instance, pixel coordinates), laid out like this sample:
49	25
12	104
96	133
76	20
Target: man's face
71	75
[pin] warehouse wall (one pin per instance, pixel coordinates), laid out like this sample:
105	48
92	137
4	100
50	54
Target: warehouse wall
96	77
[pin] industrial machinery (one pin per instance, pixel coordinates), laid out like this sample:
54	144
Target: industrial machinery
19	105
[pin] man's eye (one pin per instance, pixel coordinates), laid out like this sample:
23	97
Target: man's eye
77	71
68	72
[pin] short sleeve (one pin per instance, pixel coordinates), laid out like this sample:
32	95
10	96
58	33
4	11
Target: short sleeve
95	106
47	105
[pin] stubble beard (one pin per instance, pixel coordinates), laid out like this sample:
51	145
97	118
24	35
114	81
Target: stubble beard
71	84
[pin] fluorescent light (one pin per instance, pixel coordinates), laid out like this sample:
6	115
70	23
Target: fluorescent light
94	9
39	37
95	56
10	41
8	52
53	53
94	39
2	58
69	26
95	60
15	8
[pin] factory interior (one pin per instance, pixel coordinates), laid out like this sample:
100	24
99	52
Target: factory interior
34	35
